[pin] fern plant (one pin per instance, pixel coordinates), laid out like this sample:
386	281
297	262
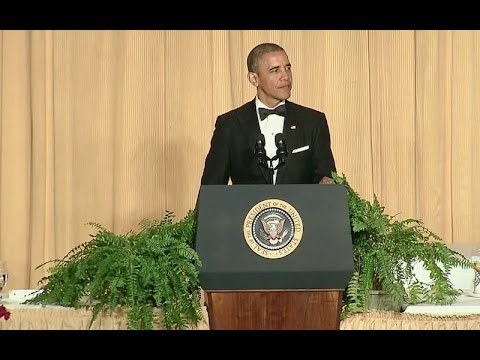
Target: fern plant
141	272
385	252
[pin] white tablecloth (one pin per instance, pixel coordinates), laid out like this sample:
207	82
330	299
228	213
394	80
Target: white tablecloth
466	304
49	317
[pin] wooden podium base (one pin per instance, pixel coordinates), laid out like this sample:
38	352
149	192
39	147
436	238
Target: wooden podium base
274	310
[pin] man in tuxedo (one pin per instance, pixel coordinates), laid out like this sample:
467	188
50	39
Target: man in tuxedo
242	134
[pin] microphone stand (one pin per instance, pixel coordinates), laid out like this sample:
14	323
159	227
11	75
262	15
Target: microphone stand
267	164
271	169
281	162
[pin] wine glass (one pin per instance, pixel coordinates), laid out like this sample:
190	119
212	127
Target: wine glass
3	274
476	266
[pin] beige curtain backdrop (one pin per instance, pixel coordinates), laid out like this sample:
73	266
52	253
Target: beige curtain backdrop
113	126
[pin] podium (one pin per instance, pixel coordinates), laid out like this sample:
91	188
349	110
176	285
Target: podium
274	257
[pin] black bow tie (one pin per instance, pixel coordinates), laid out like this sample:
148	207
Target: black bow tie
279	110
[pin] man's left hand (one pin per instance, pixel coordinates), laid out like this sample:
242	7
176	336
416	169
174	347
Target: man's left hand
326	180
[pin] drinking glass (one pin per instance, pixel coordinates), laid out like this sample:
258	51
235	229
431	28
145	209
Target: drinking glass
3	274
476	265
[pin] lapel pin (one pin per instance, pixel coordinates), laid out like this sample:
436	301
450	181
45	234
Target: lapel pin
293	127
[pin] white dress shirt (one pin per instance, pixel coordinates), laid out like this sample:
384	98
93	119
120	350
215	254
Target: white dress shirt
270	126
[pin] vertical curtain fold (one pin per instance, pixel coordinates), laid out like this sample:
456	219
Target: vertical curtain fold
113	127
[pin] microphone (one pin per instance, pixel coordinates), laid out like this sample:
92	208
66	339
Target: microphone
282	152
260	153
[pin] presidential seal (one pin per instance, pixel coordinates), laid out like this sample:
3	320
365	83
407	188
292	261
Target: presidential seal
273	228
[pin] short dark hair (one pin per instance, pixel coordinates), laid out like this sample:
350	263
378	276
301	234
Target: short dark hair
253	58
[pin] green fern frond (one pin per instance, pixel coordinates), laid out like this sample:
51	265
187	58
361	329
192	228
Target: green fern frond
152	274
385	252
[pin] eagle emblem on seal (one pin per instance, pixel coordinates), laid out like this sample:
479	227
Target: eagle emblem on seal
273	228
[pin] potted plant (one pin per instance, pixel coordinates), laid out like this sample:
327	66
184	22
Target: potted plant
151	274
385	252
157	268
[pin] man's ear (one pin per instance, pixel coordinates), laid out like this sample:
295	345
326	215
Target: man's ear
252	77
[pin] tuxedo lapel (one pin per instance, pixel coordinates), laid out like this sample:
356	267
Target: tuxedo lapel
251	128
290	129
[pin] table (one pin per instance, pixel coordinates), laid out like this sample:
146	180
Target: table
464	314
466	304
49	317
415	317
385	320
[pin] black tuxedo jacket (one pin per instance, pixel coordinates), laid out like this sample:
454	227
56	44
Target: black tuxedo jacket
231	154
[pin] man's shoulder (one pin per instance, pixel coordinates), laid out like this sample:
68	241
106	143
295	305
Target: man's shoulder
236	113
305	110
242	108
309	118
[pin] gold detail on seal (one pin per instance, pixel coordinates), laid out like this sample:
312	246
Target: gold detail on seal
273	228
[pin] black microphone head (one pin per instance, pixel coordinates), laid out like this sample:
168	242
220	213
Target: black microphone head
281	145
259	151
279	137
261	139
260	144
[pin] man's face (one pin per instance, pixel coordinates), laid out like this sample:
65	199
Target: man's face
273	78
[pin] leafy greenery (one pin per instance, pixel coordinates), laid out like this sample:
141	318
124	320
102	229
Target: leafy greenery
153	273
141	272
385	251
